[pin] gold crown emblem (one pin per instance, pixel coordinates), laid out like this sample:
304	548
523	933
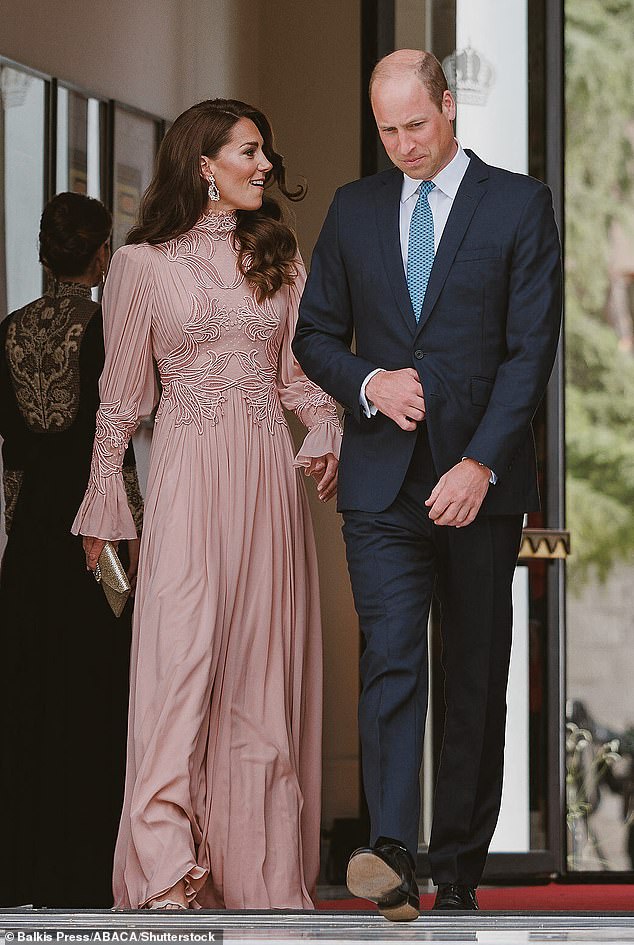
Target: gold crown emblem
469	75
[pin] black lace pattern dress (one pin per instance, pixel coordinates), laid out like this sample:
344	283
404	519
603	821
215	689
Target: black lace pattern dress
65	658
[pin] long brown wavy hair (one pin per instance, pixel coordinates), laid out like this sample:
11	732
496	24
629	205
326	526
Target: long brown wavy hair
177	195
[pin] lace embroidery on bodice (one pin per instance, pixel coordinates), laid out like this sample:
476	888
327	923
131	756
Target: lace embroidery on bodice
42	347
230	344
230	341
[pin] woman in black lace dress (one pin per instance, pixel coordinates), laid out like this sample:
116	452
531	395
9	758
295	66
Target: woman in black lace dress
64	656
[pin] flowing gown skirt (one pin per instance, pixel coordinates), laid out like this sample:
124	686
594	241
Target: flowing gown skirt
224	750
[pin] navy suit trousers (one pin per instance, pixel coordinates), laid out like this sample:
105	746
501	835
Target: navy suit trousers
397	560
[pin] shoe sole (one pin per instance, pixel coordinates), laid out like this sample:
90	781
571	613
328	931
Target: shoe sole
369	877
406	912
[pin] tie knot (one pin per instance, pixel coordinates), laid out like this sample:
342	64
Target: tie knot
426	188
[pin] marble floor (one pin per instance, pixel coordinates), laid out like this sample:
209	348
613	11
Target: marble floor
491	928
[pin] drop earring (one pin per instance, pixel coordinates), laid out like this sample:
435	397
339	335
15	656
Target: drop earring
214	193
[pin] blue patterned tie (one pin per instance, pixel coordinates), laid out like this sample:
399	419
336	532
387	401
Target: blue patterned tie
420	250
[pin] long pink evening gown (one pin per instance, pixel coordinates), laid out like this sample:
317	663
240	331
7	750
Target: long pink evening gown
224	742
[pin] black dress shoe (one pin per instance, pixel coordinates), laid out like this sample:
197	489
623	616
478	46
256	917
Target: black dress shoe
385	874
454	897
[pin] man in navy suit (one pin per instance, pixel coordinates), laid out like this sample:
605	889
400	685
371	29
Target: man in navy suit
446	272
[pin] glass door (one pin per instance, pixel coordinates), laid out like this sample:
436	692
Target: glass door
136	140
23	169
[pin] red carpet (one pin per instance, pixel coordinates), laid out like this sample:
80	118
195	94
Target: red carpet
554	897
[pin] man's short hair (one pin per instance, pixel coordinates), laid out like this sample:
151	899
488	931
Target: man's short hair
427	70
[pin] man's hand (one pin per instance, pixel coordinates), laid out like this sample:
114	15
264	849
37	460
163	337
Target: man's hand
324	470
457	496
398	395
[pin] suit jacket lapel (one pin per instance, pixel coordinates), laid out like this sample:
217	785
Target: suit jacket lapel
470	192
388	196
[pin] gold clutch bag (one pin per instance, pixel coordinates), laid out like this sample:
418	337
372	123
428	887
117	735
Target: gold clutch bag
110	573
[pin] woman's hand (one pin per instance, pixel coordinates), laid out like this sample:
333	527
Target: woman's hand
324	470
133	554
92	549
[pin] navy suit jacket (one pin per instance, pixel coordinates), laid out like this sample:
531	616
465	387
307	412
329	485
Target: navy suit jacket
483	348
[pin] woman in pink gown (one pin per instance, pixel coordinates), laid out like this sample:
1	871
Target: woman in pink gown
222	800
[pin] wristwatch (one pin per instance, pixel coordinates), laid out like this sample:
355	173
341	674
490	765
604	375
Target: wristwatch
492	478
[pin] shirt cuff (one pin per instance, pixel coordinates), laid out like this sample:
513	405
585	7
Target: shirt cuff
367	406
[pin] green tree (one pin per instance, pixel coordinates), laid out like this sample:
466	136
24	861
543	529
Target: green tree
600	376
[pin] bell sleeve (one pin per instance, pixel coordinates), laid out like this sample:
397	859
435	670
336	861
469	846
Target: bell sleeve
313	407
127	391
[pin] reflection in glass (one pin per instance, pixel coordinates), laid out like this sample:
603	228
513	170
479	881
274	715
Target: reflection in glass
22	123
21	186
79	144
600	434
136	141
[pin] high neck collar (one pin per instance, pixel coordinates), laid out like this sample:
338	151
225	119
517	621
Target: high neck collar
58	289
218	221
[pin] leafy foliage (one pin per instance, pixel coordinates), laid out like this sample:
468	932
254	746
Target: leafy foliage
600	376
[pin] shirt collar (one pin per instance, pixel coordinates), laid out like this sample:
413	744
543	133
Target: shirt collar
447	180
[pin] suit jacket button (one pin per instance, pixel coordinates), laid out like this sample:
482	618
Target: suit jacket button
419	354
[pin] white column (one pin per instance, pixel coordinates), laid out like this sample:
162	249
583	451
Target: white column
493	107
61	170
93	148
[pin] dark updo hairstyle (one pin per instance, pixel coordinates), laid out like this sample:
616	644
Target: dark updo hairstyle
177	196
72	229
